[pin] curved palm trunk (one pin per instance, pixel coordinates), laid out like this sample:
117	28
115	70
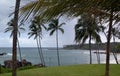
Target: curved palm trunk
19	51
14	50
114	54
57	48
90	50
39	50
107	68
42	57
115	58
98	54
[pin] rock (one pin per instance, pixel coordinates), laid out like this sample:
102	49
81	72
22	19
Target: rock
39	65
8	63
1	54
24	62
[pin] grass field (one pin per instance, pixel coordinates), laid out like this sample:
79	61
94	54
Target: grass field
73	70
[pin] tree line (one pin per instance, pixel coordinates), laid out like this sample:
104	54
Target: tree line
102	46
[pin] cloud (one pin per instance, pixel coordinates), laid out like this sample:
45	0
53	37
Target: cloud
25	42
64	39
7	6
5	42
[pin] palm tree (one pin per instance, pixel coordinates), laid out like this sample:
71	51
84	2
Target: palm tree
115	31
15	29
54	26
10	29
36	30
98	52
87	28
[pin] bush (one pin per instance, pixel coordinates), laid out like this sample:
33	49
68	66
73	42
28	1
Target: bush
7	70
27	67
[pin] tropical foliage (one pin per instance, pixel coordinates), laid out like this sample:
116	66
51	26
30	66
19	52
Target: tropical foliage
10	29
36	31
54	26
86	28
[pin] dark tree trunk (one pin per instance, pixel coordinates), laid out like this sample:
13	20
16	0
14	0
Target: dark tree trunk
114	54
39	50
19	51
43	61
98	53
107	68
90	50
57	48
14	50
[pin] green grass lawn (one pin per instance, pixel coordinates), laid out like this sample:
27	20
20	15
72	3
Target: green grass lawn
73	70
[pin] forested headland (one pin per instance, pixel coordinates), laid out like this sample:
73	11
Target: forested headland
101	46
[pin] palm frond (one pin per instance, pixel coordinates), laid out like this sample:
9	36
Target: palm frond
61	24
52	31
11	34
62	30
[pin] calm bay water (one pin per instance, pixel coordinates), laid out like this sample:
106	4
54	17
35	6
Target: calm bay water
67	57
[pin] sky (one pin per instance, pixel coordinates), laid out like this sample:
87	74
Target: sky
7	7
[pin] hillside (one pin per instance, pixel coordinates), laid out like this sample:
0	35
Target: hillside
101	46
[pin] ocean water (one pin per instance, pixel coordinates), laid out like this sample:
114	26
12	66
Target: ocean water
67	57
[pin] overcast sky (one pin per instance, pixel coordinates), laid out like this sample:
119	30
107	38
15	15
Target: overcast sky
7	7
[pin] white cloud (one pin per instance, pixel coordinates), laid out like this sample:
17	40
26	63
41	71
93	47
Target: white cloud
5	42
7	6
25	42
48	41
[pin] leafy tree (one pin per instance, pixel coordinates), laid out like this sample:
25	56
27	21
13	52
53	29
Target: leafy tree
36	30
54	26
87	28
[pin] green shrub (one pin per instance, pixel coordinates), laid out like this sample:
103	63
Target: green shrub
5	70
26	67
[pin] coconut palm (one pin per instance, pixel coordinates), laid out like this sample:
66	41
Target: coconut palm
10	29
54	26
114	34
14	49
87	28
36	31
98	52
